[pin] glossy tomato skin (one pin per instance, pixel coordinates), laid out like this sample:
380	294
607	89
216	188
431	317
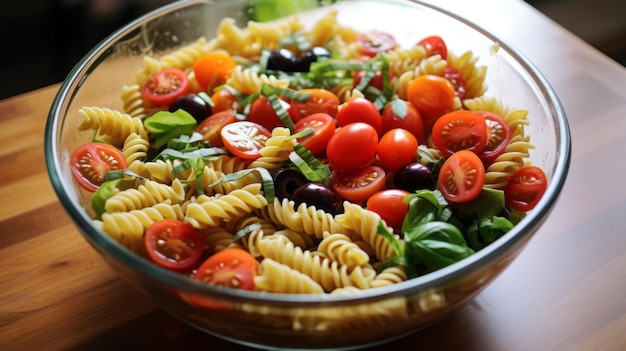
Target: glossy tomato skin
499	137
163	87
359	184
402	114
376	82
359	110
224	100
434	45
91	162
213	69
352	146
211	127
261	112
525	188
397	148
390	206
245	139
324	128
432	95
319	101
458	81
375	42
460	130
232	267
173	244
461	177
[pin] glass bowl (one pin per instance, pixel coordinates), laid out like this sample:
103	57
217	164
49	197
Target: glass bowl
306	321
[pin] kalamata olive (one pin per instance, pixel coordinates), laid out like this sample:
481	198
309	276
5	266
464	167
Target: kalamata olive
286	181
414	176
318	195
194	104
305	61
282	60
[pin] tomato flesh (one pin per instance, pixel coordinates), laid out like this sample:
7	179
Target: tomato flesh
173	244
323	126
233	268
163	87
461	177
211	127
245	139
525	188
358	185
390	206
375	42
460	130
92	161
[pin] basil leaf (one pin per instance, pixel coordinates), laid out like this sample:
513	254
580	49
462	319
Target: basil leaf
484	231
106	190
435	254
165	125
423	207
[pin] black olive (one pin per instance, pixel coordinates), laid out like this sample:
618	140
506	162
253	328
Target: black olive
318	195
193	104
286	181
282	60
414	176
305	61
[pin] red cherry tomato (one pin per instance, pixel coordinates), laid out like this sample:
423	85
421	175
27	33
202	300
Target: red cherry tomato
461	177
431	95
173	244
163	87
245	139
223	100
232	267
456	78
525	188
91	162
320	100
376	82
499	137
213	69
397	148
375	42
211	127
460	130
359	184
390	206
262	112
402	114
323	126
352	146
434	45
359	110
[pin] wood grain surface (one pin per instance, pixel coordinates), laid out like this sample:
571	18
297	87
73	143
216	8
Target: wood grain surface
564	292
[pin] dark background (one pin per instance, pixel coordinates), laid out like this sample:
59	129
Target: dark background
43	39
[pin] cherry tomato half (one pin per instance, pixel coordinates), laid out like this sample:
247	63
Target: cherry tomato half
320	100
525	188
434	45
374	42
211	127
402	114
431	95
461	177
460	130
397	148
499	137
245	139
91	162
173	244
213	69
352	146
163	87
232	267
359	184
390	206
359	110
323	126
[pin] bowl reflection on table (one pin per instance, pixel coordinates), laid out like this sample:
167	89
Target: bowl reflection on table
306	321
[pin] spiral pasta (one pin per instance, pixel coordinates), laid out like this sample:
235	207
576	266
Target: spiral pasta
112	123
305	219
339	247
276	150
280	278
145	195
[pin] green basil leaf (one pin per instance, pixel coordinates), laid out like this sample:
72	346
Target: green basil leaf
484	231
435	254
165	125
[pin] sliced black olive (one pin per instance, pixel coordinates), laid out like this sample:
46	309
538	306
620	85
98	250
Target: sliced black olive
318	195
414	176
286	181
192	103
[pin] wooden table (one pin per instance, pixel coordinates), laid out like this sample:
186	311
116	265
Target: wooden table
565	291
